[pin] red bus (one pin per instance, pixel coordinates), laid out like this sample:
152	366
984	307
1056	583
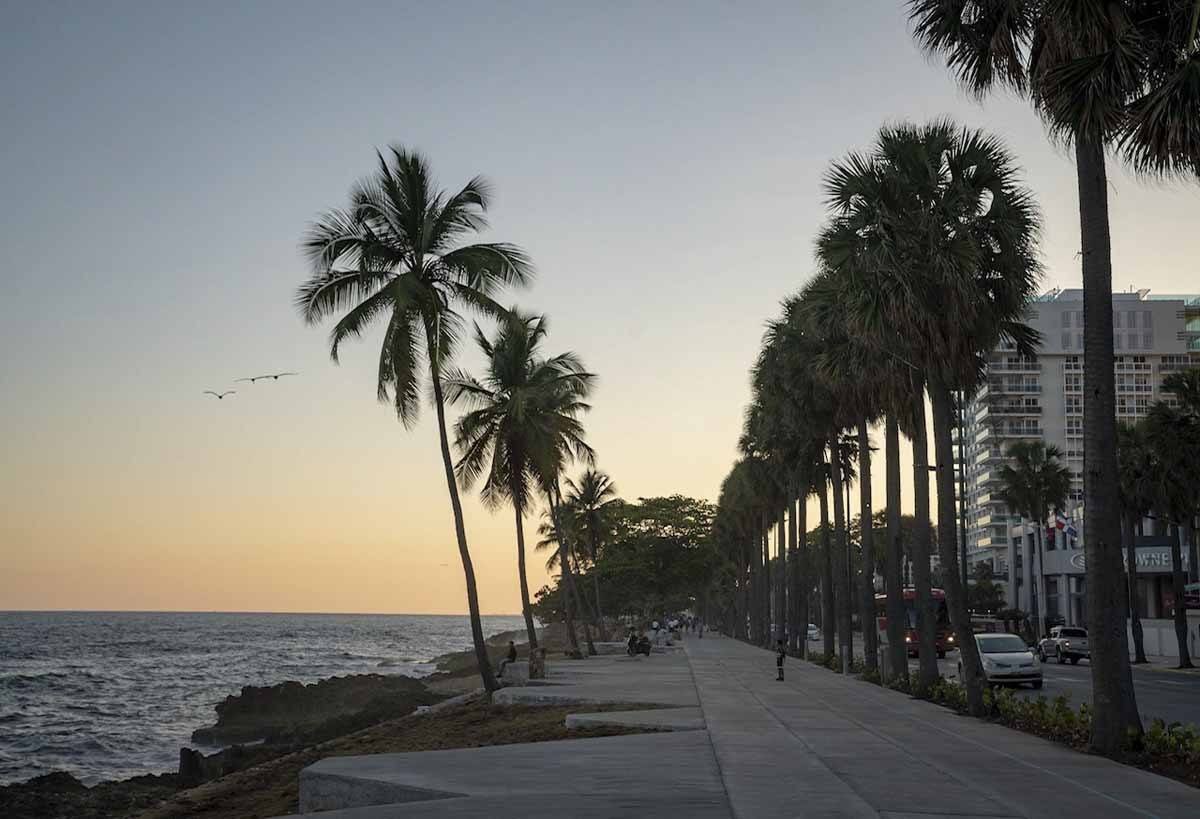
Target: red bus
943	634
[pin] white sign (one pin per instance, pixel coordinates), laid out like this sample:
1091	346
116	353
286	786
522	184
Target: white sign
1148	557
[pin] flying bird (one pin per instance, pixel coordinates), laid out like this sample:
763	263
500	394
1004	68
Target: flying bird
274	376
220	396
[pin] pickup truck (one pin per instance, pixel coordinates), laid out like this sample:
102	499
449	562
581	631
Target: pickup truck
1065	643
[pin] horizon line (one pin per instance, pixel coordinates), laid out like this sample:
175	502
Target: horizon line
222	611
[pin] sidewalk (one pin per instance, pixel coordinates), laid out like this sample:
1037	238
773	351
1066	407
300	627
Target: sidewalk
745	746
823	745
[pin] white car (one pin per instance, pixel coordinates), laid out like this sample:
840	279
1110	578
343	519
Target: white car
1065	643
1007	660
814	633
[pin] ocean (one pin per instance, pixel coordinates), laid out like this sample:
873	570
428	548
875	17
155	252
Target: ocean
108	695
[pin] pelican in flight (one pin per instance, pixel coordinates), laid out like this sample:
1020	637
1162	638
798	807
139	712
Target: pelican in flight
274	376
220	396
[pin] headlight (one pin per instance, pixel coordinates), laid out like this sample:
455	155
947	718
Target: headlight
908	639
950	639
987	662
1066	643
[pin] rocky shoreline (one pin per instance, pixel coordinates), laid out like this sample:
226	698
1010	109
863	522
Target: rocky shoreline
258	724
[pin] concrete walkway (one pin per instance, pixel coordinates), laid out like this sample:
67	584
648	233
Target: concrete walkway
816	745
819	744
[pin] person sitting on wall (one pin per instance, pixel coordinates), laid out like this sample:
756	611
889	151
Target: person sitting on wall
511	657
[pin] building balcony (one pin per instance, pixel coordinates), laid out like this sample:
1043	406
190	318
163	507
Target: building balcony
1014	388
1018	432
1011	367
1016	409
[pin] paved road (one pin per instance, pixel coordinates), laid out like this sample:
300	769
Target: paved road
1173	697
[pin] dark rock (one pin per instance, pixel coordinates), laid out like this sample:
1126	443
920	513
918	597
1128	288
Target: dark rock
59	794
291	712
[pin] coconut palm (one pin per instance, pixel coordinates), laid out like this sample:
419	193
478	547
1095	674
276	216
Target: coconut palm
395	255
936	222
1137	472
519	406
1034	483
591	502
1118	75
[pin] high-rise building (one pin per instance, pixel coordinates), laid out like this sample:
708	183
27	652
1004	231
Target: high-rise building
1041	397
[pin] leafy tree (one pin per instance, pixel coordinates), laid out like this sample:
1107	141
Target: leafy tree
395	256
519	407
986	596
1137	471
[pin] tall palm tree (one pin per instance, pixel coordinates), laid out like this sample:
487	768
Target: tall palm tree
936	217
519	406
395	255
592	501
1033	484
1121	75
1137	471
1185	386
1174	439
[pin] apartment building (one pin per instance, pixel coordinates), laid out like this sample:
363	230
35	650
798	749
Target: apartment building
1041	397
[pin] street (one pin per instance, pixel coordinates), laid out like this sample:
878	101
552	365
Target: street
1170	696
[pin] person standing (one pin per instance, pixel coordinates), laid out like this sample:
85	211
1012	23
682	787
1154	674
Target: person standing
780	653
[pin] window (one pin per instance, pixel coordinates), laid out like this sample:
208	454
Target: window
1066	341
1147	319
1117	319
1074	382
1066	319
1133	341
1079	341
1074	404
1148	340
1075	427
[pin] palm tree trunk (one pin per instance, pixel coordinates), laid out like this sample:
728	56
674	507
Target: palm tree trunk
956	592
766	581
828	624
1131	572
1039	530
568	573
595	548
481	654
844	598
896	627
1030	587
803	583
793	576
781	576
1178	580
1115	705
867	611
526	609
922	578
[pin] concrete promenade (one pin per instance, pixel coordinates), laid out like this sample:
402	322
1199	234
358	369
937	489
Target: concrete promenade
816	745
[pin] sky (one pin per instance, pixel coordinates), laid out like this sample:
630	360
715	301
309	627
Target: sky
661	162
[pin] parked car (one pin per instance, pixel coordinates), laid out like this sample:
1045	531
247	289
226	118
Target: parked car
1007	660
1065	643
814	633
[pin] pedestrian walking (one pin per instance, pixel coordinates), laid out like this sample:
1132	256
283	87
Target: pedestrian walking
781	652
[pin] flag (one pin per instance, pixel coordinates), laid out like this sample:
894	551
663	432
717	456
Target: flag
1071	530
1060	522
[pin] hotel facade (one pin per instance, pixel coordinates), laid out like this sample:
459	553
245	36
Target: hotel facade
1041	398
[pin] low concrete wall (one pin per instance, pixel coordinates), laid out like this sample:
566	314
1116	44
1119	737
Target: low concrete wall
1158	637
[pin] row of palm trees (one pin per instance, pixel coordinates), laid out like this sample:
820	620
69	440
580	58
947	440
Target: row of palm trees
1120	78
398	255
926	264
915	287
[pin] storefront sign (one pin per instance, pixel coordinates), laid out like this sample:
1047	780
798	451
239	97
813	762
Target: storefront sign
1150	558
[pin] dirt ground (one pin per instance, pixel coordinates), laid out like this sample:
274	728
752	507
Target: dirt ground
270	789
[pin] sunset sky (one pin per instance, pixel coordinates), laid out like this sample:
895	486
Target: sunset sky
661	162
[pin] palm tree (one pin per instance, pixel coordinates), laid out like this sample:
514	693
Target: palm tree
1117	74
518	407
1185	385
591	502
1033	484
1137	471
1174	438
936	221
395	255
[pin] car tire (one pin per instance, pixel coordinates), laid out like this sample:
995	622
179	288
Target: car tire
941	655
1074	661
1037	685
1061	657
